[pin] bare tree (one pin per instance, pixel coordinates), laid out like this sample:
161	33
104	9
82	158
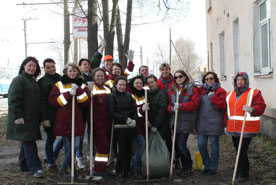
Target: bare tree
185	57
162	54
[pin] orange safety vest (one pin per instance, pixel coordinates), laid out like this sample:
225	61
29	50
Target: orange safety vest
235	113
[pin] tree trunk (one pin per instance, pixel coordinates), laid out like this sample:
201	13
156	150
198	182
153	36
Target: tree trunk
92	28
119	37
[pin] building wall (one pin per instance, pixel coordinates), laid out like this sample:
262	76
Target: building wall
220	17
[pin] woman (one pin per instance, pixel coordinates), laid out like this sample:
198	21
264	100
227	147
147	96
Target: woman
101	121
138	94
236	108
116	70
60	97
122	108
187	111
84	66
210	120
23	115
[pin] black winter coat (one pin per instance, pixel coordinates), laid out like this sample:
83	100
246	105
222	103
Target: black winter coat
48	112
120	107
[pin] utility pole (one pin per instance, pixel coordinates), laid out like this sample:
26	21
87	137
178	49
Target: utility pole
141	55
25	37
66	40
170	48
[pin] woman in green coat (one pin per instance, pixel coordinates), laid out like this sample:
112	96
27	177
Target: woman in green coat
23	115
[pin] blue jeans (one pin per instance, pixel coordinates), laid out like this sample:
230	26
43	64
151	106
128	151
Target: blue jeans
140	147
210	163
58	146
79	150
67	149
182	150
28	157
50	139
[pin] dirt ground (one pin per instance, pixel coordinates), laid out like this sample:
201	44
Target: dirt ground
262	154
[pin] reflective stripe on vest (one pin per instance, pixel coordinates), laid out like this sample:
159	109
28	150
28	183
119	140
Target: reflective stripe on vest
235	113
96	90
109	83
101	157
139	101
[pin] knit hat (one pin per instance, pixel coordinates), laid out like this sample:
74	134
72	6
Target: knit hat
108	57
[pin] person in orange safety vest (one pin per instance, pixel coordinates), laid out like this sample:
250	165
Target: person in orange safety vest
236	108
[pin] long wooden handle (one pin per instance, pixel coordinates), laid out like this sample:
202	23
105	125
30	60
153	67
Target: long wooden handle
73	141
111	144
240	144
174	134
147	134
91	136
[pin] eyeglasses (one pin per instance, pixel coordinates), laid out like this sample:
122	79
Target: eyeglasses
180	76
206	79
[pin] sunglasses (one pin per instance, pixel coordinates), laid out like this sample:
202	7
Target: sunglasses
180	76
206	79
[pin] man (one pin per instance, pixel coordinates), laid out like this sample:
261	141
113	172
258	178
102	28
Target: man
157	106
166	80
144	71
48	113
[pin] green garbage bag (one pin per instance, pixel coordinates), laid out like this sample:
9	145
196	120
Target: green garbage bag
159	157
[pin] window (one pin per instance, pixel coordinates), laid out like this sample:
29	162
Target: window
236	45
222	55
265	37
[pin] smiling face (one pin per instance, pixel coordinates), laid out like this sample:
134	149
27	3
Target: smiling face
99	77
179	78
50	68
108	64
165	72
152	83
85	66
30	67
240	81
209	79
121	86
116	70
138	84
72	72
144	71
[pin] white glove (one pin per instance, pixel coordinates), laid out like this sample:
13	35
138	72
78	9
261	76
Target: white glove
73	91
130	55
247	109
145	107
46	123
210	93
90	86
133	123
153	129
176	106
19	121
129	121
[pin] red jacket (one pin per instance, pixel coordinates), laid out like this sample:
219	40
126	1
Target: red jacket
166	86
101	119
140	123
191	105
61	98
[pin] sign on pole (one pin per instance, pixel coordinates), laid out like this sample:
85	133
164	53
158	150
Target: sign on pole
79	24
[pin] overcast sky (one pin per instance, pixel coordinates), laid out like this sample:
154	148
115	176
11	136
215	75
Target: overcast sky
46	25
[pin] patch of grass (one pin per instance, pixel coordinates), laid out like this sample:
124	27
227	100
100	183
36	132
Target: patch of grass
267	145
4	118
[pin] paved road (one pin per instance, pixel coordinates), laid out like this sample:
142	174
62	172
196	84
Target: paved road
3	105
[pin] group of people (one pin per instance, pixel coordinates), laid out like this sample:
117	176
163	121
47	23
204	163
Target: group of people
119	104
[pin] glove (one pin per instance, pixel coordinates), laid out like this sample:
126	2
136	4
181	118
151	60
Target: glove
133	123
19	121
73	91
153	129
247	109
130	55
210	93
46	123
129	120
90	86
145	107
177	106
